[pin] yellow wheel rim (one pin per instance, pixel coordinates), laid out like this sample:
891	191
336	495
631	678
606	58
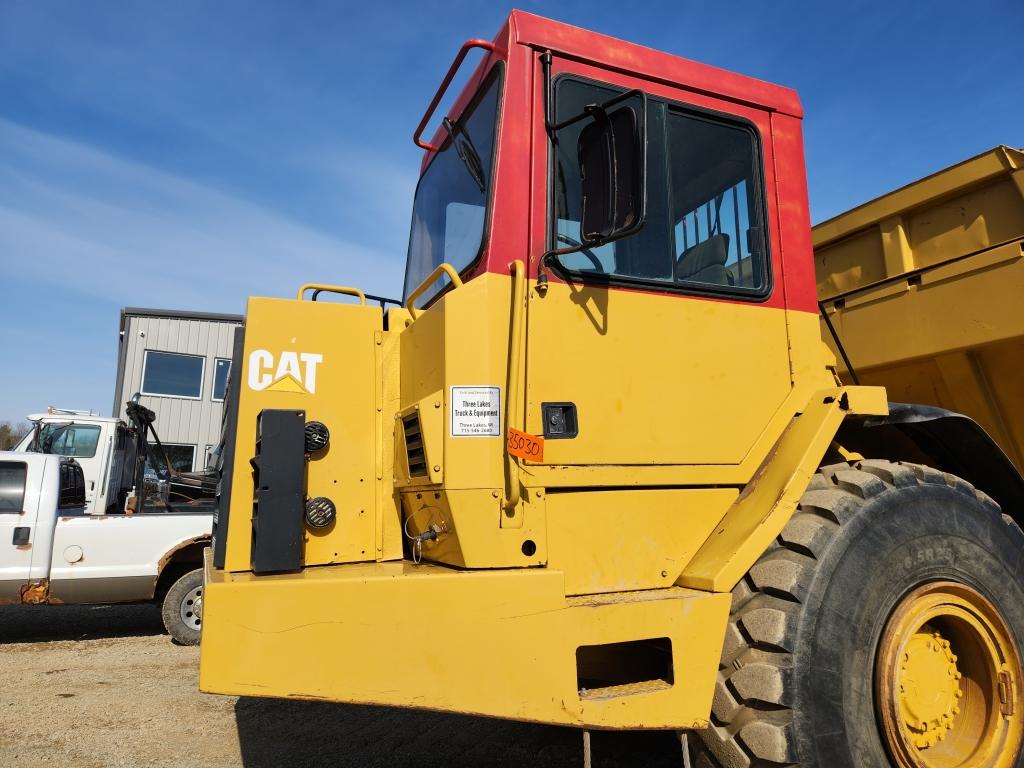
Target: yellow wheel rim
948	682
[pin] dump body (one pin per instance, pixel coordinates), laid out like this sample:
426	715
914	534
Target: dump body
923	287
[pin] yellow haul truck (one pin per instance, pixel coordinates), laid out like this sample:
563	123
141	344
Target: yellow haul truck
922	288
597	468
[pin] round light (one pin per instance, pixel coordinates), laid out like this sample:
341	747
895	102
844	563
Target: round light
320	512
317	436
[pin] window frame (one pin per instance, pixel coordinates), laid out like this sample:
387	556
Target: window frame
213	382
145	363
704	290
24	487
497	72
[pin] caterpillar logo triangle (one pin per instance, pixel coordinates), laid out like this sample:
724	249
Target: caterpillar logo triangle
293	372
287	384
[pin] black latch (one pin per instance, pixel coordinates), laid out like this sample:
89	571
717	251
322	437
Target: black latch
560	420
21	534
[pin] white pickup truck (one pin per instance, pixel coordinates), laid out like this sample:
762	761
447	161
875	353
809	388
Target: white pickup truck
124	534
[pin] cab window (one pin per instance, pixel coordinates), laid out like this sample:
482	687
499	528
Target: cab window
704	230
716	227
12	487
449	213
76	440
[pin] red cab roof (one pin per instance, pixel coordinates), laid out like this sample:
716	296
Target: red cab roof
609	52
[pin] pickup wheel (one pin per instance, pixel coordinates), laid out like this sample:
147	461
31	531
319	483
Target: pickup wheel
883	627
183	608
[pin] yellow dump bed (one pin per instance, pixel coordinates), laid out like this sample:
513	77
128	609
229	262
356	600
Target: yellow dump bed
925	289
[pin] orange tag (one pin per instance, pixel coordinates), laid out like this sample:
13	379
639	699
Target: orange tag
524	445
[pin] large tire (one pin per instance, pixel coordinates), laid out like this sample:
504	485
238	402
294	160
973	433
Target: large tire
182	608
796	684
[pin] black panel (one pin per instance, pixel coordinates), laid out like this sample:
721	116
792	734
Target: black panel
560	420
21	534
277	509
228	433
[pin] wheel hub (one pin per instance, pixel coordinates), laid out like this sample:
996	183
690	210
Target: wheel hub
947	681
929	687
192	608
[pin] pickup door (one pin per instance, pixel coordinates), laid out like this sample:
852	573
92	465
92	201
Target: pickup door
117	558
20	482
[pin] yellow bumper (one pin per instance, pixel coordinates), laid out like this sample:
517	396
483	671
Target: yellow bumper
501	643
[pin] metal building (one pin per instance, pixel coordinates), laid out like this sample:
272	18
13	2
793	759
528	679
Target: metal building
180	362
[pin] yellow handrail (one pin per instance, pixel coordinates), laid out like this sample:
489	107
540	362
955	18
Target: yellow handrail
332	289
518	270
445	268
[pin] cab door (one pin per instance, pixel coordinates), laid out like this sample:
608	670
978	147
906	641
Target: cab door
19	508
668	346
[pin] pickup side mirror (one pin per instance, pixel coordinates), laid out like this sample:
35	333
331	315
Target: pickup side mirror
611	155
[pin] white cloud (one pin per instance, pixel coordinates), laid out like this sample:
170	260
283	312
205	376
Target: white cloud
126	232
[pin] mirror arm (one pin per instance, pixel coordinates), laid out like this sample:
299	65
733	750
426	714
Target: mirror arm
544	262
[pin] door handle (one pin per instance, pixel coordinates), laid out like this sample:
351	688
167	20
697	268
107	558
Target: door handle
20	535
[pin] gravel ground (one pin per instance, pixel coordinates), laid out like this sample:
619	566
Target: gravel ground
99	687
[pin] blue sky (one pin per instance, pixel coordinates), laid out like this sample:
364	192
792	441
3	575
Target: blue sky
264	144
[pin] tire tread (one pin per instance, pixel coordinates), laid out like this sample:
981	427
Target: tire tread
752	723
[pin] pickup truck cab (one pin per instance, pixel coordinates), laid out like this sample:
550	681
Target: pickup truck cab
97	443
53	550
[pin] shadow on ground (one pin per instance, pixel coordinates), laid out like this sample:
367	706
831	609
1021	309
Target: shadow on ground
274	733
45	623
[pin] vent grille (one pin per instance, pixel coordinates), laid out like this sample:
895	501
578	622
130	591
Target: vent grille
415	454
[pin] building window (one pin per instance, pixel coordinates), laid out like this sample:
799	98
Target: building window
12	487
182	457
169	374
221	369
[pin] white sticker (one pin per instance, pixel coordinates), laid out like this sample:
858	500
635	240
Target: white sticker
476	411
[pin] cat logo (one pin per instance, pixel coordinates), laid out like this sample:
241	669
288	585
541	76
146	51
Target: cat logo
293	372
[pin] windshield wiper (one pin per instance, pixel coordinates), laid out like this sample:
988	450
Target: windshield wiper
467	153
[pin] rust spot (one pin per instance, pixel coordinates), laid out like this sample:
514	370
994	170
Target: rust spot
170	555
35	592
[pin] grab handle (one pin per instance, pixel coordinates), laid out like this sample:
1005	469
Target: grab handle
466	48
444	268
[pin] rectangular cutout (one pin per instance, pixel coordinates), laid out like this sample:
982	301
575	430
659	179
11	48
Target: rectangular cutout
634	666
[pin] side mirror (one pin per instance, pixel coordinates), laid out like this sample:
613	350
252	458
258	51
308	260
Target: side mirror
612	169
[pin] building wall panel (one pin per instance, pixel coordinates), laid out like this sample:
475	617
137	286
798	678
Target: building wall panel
179	420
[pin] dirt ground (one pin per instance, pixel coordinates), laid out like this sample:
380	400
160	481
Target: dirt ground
95	687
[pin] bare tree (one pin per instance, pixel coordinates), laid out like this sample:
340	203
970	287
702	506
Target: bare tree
10	433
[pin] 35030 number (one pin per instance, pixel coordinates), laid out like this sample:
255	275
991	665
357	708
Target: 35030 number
524	445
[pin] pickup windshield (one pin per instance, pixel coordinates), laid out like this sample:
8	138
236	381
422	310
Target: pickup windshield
449	213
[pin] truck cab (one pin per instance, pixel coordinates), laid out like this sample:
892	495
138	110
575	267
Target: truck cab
97	443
